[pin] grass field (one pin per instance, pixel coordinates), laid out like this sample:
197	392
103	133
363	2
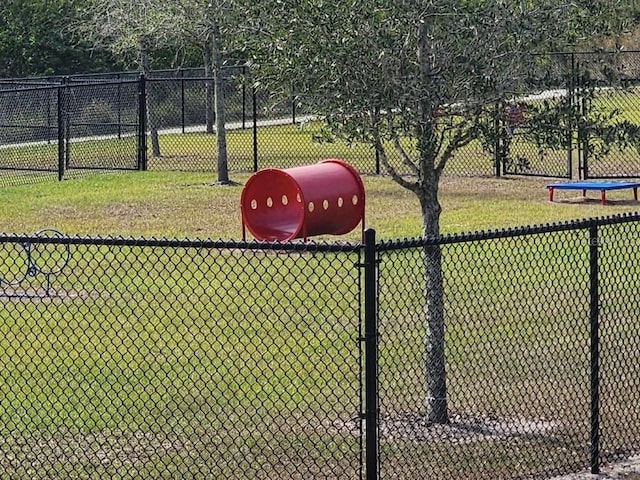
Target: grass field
173	204
151	362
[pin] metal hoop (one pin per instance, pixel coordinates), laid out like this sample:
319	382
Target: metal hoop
65	256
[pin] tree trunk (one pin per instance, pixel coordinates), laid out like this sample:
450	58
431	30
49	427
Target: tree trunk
218	83
208	94
434	342
429	176
152	121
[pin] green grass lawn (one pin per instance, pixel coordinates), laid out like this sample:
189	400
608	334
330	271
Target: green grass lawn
151	363
219	360
178	205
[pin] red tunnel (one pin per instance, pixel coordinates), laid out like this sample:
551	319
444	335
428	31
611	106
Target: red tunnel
325	198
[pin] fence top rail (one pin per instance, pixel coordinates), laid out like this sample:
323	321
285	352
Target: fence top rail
171	79
86	83
99	77
35	88
310	247
28	83
322	247
28	87
391	245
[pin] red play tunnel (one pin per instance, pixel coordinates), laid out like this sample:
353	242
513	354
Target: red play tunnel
280	205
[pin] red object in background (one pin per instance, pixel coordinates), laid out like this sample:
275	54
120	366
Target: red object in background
281	205
515	117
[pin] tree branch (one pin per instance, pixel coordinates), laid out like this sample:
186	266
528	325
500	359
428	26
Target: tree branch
402	153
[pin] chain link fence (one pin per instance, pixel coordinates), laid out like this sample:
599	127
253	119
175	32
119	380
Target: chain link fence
139	359
610	146
541	350
68	130
579	121
134	358
612	151
29	134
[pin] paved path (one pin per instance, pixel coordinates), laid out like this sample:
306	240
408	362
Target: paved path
626	470
301	119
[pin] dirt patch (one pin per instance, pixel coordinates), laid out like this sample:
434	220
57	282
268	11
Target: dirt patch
626	470
461	429
109	447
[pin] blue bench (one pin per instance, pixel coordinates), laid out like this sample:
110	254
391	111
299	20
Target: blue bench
603	187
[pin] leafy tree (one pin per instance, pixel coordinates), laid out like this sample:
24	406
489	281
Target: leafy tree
385	73
34	40
208	25
130	29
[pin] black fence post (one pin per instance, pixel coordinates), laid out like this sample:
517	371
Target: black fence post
571	97
61	134
119	78
182	107
49	101
244	96
67	124
497	126
255	129
583	130
371	354
595	353
142	123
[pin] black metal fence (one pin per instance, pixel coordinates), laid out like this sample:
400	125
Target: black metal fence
63	130
584	107
134	358
581	123
154	359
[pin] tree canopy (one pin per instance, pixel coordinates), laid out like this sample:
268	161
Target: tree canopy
34	40
414	79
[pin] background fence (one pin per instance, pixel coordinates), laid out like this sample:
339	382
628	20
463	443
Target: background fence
155	358
580	121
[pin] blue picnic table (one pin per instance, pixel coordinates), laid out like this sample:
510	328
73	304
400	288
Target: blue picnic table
602	186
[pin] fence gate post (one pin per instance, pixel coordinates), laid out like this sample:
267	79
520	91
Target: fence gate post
254	113
371	354
499	159
571	97
583	129
244	96
142	123
61	129
595	346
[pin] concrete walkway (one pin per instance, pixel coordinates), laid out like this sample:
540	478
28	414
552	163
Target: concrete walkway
626	470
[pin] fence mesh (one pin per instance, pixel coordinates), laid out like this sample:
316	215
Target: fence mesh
182	111
578	121
611	147
537	136
517	347
28	134
619	340
153	358
101	126
166	359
